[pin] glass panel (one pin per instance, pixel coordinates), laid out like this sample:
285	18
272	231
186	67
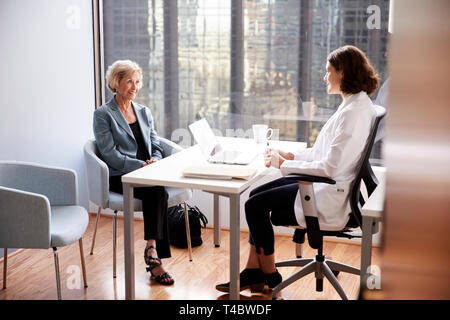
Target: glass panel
285	43
271	42
286	46
204	60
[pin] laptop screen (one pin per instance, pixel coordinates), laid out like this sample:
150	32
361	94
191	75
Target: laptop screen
205	137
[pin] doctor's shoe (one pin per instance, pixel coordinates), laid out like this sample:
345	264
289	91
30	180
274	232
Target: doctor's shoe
252	279
272	279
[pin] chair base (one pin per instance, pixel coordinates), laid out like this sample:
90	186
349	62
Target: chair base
58	278
321	266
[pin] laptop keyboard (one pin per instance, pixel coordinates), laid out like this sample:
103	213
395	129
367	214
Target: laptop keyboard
226	156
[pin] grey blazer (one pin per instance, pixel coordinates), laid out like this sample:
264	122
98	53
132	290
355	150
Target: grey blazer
116	141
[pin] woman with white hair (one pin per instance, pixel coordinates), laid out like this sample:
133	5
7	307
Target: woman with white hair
127	141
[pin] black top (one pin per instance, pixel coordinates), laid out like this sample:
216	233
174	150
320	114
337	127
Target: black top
142	152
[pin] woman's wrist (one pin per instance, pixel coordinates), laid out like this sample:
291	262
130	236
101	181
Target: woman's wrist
281	161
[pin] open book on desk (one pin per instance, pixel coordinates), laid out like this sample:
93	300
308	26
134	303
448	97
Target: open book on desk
219	172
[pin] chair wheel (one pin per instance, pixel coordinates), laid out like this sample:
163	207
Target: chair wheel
336	273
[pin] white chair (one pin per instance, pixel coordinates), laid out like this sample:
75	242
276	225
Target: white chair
38	209
98	186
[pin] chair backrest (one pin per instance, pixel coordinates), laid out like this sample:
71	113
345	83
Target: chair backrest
58	184
364	173
97	175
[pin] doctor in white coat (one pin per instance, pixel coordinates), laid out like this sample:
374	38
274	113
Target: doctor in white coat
335	154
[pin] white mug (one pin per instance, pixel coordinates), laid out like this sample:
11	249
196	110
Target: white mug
309	109
261	133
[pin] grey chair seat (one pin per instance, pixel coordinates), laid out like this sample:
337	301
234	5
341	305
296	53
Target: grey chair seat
176	196
68	224
115	202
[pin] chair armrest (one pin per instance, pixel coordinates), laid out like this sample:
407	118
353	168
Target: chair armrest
310	178
169	147
24	219
59	185
97	174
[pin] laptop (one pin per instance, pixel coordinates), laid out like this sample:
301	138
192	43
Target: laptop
213	151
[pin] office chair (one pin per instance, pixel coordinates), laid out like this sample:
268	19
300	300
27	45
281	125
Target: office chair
98	187
321	265
38	210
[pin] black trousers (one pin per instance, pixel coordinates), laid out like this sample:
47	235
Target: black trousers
154	207
271	203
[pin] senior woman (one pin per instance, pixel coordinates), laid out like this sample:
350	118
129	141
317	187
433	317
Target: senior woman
335	154
127	141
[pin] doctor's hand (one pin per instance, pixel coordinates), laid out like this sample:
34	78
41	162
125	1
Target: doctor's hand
273	158
286	155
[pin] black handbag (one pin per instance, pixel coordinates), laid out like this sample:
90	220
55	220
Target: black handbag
177	225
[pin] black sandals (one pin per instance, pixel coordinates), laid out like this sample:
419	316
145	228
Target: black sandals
164	278
153	262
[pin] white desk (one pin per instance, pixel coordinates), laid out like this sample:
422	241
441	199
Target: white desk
168	172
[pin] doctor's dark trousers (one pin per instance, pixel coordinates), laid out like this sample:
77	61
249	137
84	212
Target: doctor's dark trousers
271	203
154	209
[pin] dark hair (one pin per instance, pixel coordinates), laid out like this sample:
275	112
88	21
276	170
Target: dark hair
357	72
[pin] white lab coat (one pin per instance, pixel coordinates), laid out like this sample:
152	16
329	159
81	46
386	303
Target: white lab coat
335	154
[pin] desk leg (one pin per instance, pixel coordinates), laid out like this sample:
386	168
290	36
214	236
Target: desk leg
234	246
128	214
366	249
216	221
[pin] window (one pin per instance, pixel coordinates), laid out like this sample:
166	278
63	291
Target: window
185	49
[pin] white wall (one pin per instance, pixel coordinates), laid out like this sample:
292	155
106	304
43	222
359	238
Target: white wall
47	92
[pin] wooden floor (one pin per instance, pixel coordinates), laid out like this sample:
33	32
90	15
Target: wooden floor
31	273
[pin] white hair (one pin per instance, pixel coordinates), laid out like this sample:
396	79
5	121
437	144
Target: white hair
120	69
